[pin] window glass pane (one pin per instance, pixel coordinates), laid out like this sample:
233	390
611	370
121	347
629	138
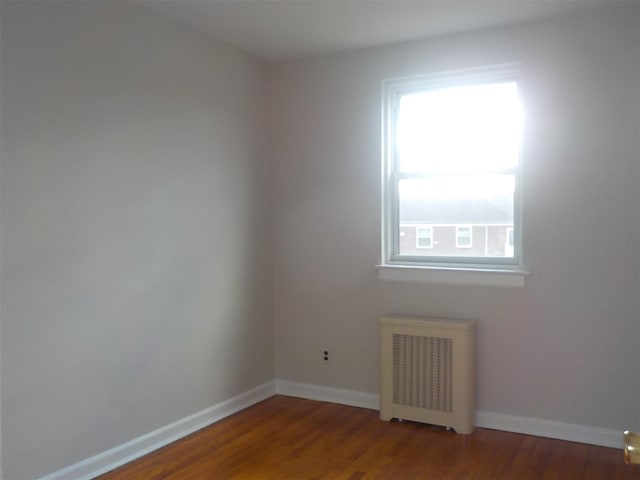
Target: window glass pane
465	128
463	236
469	215
423	237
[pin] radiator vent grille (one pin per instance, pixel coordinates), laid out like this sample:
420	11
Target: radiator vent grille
427	371
422	372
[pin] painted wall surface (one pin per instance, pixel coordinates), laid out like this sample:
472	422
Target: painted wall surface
558	349
136	228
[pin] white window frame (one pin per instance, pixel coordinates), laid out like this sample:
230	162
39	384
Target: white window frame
494	272
424	227
393	89
509	240
469	229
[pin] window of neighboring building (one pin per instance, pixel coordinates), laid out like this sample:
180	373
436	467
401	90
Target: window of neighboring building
510	237
508	248
463	237
452	156
424	237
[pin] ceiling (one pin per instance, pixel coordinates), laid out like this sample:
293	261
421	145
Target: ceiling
290	29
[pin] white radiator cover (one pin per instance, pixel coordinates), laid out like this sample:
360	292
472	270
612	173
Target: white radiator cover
428	371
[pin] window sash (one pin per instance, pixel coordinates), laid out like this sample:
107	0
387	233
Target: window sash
464	234
393	90
428	236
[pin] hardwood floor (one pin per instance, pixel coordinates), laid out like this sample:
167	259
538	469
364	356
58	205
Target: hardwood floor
291	438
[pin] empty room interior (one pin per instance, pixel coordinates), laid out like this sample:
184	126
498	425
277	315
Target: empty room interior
207	204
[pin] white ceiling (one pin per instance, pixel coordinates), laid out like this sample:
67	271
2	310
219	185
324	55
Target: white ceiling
289	29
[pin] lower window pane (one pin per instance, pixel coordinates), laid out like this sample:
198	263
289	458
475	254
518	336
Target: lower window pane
466	216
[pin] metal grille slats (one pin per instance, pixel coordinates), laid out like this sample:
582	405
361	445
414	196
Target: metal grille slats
422	372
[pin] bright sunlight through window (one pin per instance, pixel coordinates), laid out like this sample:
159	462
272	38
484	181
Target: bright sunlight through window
452	155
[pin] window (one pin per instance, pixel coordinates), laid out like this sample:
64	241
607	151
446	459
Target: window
508	248
424	237
463	237
452	158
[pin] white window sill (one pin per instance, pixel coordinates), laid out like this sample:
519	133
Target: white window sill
513	278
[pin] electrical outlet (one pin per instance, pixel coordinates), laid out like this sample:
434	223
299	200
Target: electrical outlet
326	355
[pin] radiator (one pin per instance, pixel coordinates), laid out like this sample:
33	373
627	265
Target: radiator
428	371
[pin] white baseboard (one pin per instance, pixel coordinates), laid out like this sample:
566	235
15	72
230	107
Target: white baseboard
496	421
328	394
115	457
603	437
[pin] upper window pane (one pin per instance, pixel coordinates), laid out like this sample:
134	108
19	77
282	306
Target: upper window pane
473	128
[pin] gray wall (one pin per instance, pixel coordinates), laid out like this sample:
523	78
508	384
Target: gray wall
563	348
137	252
136	228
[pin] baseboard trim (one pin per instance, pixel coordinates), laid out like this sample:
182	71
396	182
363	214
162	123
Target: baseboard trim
603	437
328	394
115	457
496	421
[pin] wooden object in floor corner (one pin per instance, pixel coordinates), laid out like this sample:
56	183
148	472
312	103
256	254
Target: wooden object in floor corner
290	438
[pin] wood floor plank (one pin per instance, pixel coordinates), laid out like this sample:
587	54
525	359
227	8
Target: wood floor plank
285	438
